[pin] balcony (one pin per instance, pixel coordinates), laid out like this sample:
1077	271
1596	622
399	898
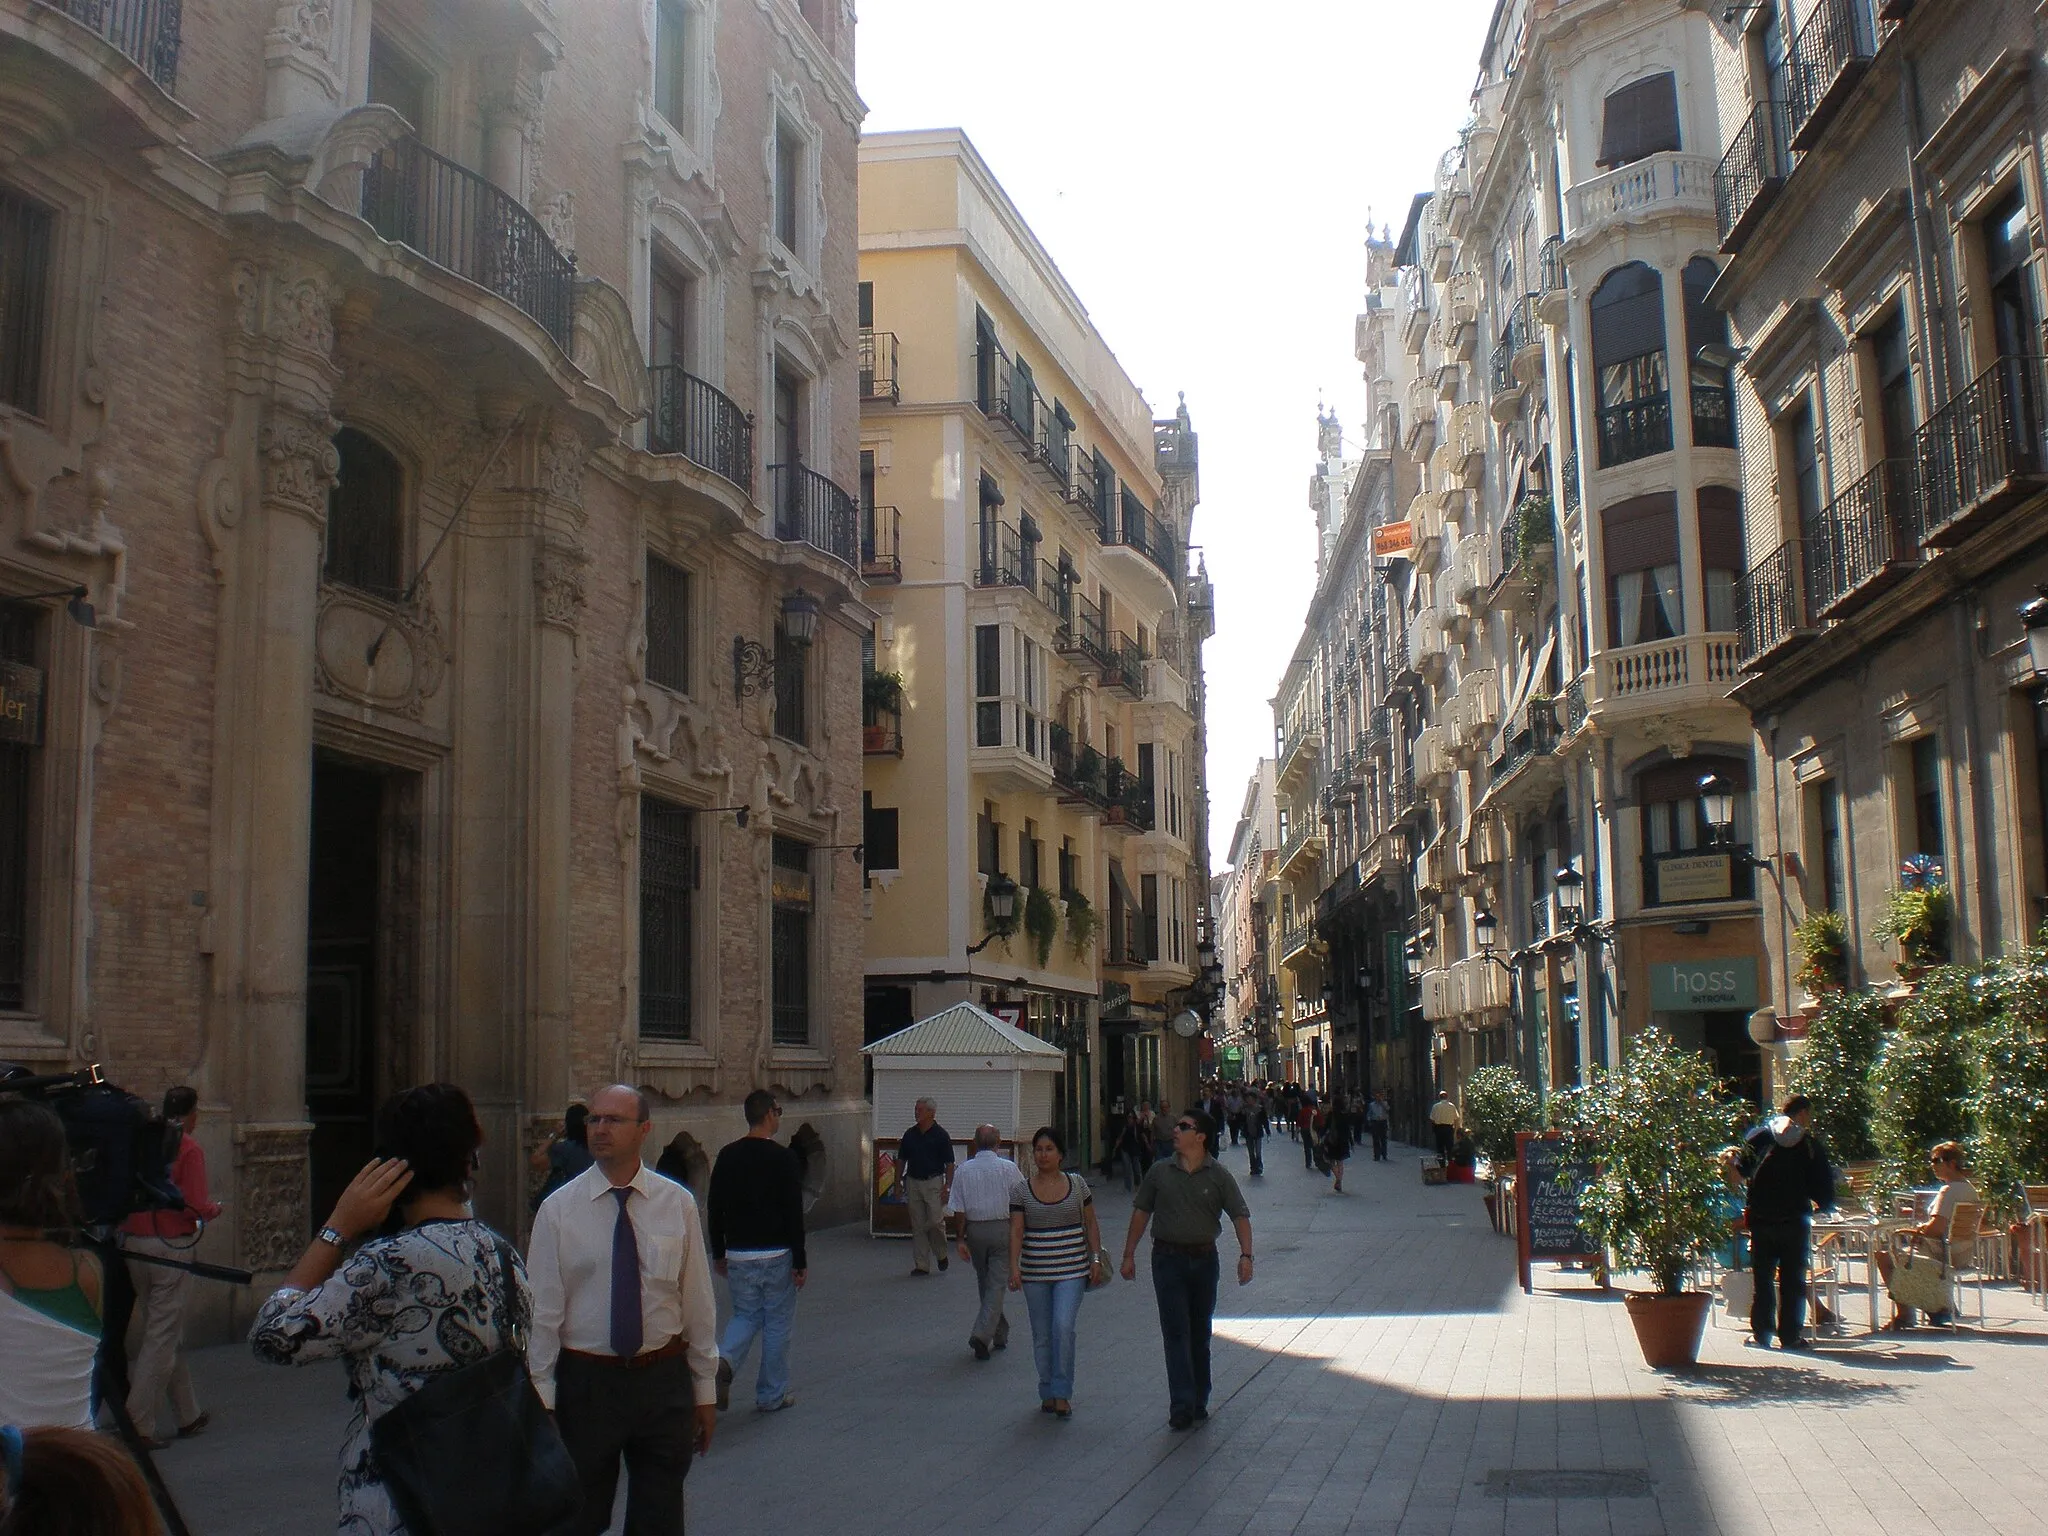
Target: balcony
1128	800
881	544
1414	310
1751	173
701	423
1568	476
1081	633
1768	615
1983	450
810	509
1862	542
1685	671
1831	53
1426	520
1081	491
1302	747
1124	667
145	32
1720	873
1553	299
1005	559
878	367
881	731
1303	845
461	222
1525	773
1663	185
1713	415
1635	429
1295	939
1052	449
1419	428
1080	775
1140	532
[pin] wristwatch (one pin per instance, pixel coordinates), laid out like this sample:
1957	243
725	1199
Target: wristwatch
331	1237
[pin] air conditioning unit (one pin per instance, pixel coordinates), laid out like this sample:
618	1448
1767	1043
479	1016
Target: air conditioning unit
1439	1000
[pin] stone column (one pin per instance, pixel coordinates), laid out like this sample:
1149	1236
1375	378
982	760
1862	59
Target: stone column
263	510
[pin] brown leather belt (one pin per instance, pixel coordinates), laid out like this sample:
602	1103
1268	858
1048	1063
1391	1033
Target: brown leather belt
1187	1250
645	1358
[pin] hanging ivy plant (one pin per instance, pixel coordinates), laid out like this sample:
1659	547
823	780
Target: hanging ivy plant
1041	921
1084	923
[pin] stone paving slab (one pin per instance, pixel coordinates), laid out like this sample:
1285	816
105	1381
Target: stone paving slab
1383	1363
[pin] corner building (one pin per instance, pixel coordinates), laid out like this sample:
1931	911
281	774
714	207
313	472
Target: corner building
1034	699
444	406
1881	204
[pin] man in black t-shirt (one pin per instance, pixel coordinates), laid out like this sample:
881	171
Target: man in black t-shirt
924	1161
755	1219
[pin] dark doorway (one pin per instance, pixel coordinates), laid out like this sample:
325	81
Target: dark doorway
888	1009
360	940
1724	1036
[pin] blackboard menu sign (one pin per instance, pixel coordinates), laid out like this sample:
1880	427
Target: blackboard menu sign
1549	1227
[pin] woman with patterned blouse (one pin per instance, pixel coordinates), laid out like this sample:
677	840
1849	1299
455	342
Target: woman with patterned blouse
1053	1241
404	1307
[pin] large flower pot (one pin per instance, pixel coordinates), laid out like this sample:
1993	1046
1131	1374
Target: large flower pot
1669	1327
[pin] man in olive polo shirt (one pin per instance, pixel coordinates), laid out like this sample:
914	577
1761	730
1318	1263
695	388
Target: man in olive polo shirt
1187	1196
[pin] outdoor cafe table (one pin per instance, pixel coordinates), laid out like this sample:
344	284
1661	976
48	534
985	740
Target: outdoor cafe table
1863	1236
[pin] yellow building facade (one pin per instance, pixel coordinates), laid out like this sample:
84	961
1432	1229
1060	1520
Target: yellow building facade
1032	702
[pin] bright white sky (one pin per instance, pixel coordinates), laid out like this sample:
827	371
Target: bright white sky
1203	171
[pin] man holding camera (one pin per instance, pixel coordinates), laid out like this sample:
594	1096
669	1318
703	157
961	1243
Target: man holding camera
160	1290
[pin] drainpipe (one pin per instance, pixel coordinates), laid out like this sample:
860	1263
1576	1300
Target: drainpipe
1970	776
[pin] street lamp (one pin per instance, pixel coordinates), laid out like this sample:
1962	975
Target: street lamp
753	664
2034	620
1717	807
1571	895
1484	926
1002	911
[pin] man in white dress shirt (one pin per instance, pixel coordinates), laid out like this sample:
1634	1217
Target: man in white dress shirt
980	1194
624	1346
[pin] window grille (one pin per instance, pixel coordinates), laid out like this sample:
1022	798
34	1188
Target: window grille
668	880
668	624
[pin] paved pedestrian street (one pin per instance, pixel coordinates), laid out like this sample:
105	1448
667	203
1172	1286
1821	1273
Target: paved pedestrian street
1383	1373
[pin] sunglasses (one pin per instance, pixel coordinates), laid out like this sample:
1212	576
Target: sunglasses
1184	1126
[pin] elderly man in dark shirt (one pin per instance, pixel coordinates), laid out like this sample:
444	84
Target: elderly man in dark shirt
924	1159
1186	1197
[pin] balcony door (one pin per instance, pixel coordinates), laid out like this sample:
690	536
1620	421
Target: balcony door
670	339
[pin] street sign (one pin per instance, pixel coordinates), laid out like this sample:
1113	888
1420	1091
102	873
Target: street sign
1704	986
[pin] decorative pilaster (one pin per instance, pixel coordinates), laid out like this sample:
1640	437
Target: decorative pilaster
301	71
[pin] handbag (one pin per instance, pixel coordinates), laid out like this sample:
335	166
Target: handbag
1920	1283
473	1452
1099	1272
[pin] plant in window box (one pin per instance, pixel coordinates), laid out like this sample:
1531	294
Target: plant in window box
1041	922
1823	940
1652	1131
1535	528
1084	925
882	692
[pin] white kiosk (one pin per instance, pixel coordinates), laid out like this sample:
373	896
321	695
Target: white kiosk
978	1069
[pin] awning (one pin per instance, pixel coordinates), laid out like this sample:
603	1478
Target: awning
1123	887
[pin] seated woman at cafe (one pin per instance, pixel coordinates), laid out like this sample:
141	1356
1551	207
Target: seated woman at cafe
1931	1235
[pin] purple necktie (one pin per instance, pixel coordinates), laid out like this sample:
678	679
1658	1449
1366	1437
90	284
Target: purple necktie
626	1325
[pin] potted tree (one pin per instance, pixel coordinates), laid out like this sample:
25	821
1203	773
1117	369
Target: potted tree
1651	1130
881	709
1497	1105
1916	918
1823	940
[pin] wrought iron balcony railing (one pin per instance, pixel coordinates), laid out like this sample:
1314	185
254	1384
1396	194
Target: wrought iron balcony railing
1713	415
1767	605
1635	429
700	422
1983	448
145	31
1005	560
1863	539
1124	666
479	231
881	544
1747	180
810	509
1568	473
1551	271
878	367
1081	631
1141	530
1827	58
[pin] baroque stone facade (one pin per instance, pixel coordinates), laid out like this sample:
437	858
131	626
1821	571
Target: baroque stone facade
350	790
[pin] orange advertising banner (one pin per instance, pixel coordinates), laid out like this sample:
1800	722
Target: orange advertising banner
1393	539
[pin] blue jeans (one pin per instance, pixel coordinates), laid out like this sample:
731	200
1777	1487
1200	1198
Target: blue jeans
764	1303
1054	1306
1185	1287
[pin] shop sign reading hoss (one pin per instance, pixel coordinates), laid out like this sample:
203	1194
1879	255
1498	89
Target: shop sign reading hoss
1698	986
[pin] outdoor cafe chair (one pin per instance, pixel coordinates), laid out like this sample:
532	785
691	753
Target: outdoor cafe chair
1962	1254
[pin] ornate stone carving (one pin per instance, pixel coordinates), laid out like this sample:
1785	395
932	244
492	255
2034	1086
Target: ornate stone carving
557	215
562	453
306	24
447	441
299	465
412	658
558	586
272	1208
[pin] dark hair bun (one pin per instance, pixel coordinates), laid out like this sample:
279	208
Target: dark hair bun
434	1128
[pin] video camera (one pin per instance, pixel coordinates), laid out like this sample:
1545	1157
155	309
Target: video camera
120	1152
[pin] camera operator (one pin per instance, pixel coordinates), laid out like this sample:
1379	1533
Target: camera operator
49	1287
160	1291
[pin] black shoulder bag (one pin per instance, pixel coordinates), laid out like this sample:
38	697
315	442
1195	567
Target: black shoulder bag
473	1452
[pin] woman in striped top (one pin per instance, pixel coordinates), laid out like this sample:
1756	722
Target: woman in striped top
1053	1241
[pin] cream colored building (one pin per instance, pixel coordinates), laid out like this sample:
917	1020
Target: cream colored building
1028	526
448	408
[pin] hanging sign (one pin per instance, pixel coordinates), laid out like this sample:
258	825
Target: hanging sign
1393	539
21	704
1704	986
790	888
1695	877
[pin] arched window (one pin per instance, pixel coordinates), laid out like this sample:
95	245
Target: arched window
1706	331
1639	120
365	517
1630	369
